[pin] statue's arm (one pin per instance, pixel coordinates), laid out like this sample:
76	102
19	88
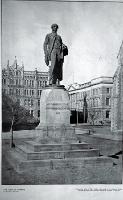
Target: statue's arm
46	50
45	44
61	41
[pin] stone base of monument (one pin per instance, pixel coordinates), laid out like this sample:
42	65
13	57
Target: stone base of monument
59	163
55	134
55	116
55	150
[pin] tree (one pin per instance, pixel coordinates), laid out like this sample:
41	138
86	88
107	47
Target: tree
14	115
94	114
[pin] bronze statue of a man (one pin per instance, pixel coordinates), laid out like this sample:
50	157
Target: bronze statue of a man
54	52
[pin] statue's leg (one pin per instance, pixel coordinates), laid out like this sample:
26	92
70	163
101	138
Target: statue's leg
54	79
59	64
58	82
50	76
53	63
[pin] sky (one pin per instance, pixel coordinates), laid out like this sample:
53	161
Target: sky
93	32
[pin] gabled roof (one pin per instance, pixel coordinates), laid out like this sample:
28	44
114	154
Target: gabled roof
120	55
73	86
120	61
117	72
120	50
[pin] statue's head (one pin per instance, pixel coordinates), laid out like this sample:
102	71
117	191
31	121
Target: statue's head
54	27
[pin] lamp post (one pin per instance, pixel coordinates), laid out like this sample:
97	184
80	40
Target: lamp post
85	108
84	113
11	130
77	117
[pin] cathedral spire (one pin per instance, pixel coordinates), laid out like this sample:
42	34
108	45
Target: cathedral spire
15	62
8	63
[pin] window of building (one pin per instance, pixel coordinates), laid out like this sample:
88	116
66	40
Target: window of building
4	81
77	96
39	92
32	92
38	113
32	113
16	91
25	102
96	102
107	90
93	91
18	101
97	91
31	102
107	114
107	101
93	102
38	102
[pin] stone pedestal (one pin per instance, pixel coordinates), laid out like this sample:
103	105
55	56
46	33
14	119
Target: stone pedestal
55	116
54	107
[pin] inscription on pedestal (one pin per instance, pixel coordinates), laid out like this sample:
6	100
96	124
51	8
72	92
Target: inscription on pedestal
58	106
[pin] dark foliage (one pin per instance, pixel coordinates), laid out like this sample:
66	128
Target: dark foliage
13	112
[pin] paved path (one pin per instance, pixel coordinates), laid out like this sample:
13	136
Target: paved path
99	132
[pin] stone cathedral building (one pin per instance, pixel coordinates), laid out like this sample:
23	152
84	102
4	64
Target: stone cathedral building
117	96
24	86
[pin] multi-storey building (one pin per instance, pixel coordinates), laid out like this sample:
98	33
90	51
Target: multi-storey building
117	96
24	86
98	98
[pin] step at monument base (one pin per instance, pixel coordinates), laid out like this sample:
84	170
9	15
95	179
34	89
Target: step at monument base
43	155
37	147
58	163
21	164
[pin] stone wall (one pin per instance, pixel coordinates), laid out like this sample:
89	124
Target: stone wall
117	96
